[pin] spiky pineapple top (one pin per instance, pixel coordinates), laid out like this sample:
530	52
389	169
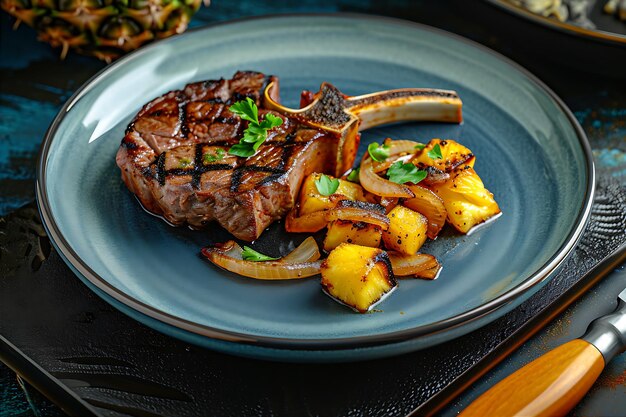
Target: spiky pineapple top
104	28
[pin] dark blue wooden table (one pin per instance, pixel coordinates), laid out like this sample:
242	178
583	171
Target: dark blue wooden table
34	84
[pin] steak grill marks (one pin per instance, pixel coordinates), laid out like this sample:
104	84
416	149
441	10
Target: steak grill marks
169	157
199	167
157	169
235	179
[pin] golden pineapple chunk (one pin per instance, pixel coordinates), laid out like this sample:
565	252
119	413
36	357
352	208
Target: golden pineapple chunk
466	199
357	276
407	230
453	154
311	200
359	233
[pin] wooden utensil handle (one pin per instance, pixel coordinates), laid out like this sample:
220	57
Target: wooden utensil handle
551	385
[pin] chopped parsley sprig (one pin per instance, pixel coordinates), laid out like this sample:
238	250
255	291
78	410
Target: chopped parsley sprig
401	173
435	152
378	152
249	254
354	175
256	133
326	186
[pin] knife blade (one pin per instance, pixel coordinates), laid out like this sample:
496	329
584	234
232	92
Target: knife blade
555	382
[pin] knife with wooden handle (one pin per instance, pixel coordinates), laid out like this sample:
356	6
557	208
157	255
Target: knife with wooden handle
555	382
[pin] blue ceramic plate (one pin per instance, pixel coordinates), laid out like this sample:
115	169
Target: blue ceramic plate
530	153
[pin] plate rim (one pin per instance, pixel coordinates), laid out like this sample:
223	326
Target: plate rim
568	28
343	343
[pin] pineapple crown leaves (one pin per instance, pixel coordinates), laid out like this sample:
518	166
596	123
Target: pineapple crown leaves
103	28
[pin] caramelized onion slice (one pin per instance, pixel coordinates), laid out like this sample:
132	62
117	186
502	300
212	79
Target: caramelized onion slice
359	211
307	223
435	176
230	248
389	203
220	255
400	150
420	265
402	146
307	251
379	167
432	273
375	184
430	205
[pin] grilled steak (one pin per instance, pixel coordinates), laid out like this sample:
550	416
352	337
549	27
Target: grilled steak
174	158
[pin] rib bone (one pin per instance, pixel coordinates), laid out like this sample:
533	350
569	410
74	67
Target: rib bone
344	116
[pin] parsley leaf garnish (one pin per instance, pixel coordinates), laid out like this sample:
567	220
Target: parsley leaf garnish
256	133
249	254
419	146
218	156
353	176
271	121
184	162
378	152
435	152
246	109
401	173
326	186
241	149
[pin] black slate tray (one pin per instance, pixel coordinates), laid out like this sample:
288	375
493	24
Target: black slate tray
91	359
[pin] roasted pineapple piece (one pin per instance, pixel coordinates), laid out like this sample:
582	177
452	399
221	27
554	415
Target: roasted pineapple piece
426	202
453	154
466	199
407	230
357	276
359	233
311	200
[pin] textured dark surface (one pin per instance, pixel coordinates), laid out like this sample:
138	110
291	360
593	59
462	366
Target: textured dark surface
124	368
607	397
120	365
